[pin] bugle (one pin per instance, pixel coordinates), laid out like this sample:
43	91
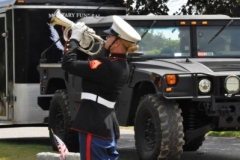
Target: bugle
59	19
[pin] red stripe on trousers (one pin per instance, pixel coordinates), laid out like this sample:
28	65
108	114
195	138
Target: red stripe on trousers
88	147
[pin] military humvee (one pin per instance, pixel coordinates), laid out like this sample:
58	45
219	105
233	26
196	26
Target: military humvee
184	82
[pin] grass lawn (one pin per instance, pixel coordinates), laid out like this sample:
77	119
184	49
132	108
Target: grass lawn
224	134
16	151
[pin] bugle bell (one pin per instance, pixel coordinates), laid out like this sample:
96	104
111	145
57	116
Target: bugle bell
59	19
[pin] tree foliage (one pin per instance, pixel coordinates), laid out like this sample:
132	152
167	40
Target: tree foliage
192	7
144	7
226	7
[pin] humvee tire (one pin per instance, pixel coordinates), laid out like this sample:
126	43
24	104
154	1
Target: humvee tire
158	129
60	122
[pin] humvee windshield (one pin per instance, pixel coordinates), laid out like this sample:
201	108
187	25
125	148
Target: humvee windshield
165	41
176	42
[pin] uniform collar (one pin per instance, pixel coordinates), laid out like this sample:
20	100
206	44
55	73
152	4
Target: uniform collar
117	55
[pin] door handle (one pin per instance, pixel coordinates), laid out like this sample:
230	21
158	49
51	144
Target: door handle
5	34
6	99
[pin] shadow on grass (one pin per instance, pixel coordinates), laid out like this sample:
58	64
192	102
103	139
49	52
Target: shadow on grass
127	154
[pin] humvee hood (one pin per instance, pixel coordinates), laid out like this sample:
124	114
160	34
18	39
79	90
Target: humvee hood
208	66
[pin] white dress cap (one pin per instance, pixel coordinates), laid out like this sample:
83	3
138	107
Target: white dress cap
123	30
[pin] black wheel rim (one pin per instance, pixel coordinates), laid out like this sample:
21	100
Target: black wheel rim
60	122
149	132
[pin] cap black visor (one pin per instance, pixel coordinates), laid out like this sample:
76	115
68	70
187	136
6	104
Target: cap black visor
110	32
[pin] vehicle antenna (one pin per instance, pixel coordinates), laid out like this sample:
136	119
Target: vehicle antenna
148	29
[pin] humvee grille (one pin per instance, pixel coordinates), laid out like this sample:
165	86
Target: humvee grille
223	66
221	85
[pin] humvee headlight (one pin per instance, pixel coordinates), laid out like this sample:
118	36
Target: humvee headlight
232	84
204	85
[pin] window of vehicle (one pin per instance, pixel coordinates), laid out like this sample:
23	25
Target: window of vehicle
225	44
165	41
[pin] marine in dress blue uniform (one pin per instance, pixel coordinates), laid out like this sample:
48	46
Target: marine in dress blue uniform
102	82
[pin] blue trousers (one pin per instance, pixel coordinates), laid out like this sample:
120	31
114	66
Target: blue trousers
96	148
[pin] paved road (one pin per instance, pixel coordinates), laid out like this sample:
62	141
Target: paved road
213	148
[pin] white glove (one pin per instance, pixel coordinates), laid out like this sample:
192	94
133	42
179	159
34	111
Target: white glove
77	30
86	39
